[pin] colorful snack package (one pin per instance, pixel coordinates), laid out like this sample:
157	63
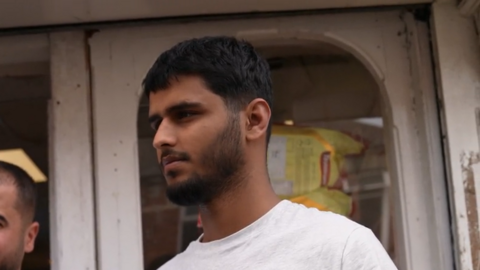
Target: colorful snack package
306	166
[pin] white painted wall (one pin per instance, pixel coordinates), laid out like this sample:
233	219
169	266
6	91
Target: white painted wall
53	12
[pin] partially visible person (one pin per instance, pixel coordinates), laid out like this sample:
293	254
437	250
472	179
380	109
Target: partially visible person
17	210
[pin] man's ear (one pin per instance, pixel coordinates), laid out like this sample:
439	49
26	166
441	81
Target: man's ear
30	236
258	115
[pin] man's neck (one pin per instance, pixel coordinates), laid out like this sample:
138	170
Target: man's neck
233	212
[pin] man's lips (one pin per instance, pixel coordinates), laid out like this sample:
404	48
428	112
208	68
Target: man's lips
170	159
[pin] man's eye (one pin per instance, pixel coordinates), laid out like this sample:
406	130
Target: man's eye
155	125
182	115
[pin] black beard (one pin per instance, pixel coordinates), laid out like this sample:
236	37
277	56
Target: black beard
223	160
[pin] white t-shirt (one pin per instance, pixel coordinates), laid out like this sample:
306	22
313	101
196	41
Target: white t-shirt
290	236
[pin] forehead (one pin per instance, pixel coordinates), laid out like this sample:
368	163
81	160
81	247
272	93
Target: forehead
8	196
184	89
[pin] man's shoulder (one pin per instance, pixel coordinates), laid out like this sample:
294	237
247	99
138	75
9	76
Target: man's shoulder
319	237
364	250
312	217
314	227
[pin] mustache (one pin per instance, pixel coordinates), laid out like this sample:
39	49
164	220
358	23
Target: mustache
171	152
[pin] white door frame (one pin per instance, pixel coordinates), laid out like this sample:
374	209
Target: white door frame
457	54
72	219
394	50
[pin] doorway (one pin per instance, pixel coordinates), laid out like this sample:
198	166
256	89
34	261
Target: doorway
350	73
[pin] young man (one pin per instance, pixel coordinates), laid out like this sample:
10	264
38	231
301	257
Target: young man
17	210
210	105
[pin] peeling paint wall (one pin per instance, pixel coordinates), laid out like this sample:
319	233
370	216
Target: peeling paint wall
457	59
470	163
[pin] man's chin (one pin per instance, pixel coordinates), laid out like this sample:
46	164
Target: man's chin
177	177
177	180
186	192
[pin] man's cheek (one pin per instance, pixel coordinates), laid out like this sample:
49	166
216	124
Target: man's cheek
3	251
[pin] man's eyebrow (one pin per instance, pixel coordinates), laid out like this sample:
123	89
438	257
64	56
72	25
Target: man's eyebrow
3	219
184	105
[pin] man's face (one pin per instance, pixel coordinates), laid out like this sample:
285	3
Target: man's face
15	236
198	141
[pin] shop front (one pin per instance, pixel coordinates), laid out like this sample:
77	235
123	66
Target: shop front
329	71
389	91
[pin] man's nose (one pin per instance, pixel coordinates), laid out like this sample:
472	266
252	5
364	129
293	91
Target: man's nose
165	136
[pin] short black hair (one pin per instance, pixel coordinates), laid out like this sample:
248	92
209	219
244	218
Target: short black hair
230	68
26	189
